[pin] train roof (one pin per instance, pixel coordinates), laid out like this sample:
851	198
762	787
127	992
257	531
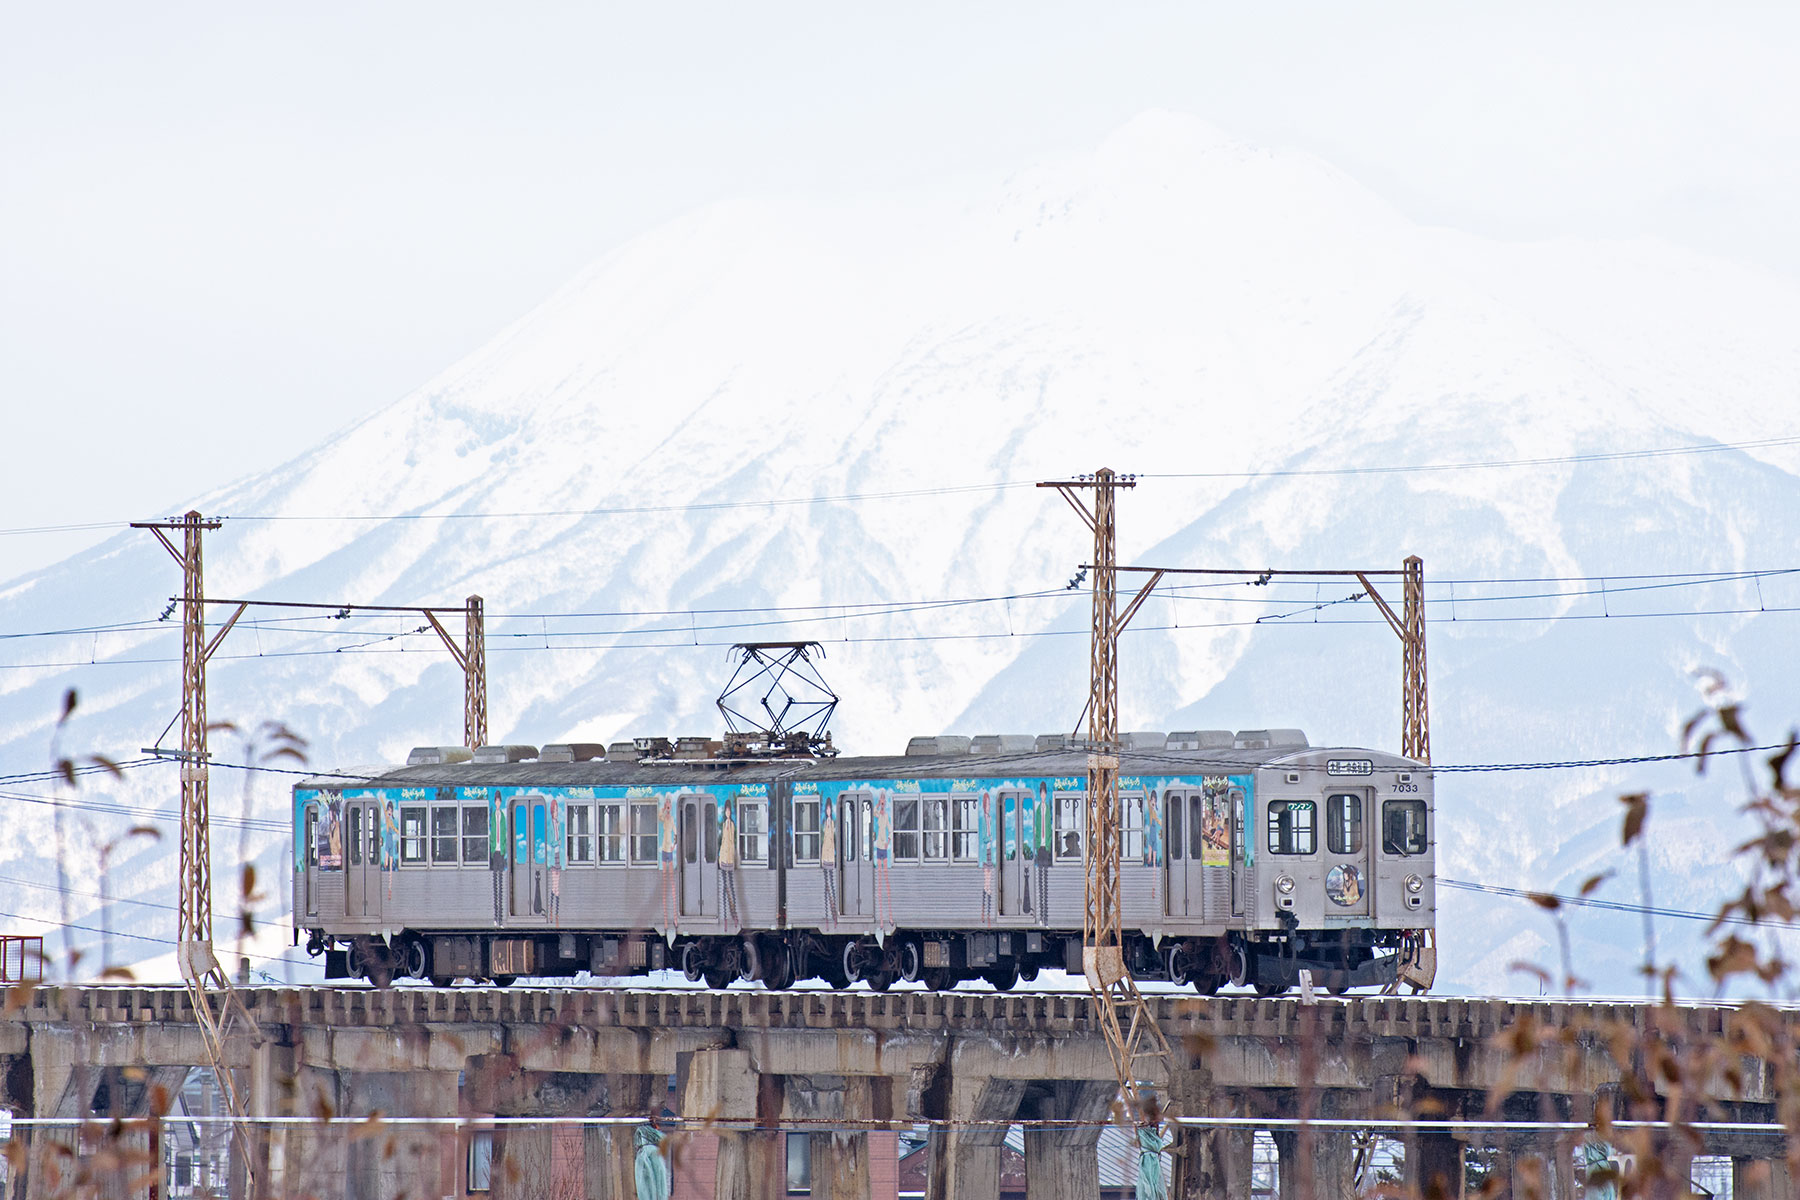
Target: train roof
1064	763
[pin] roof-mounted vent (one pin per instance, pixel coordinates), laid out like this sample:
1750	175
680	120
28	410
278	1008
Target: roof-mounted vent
622	752
436	756
1146	741
1287	737
1049	743
1003	743
504	754
1201	739
697	747
944	743
570	752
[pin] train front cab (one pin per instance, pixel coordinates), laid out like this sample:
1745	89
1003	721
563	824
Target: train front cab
1341	866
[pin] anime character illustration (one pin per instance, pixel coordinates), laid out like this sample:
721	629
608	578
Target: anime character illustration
1215	827
1344	885
728	865
828	858
390	842
331	832
1043	838
665	844
497	847
884	841
1153	827
557	851
984	844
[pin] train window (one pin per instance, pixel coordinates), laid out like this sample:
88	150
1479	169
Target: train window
1131	826
581	834
1068	827
643	833
475	834
806	829
906	828
412	834
609	832
965	819
354	814
1344	824
1177	823
312	835
753	831
1291	827
709	814
1403	826
937	821
443	835
689	838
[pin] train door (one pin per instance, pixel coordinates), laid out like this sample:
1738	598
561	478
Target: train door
856	876
362	859
530	856
1348	870
309	858
699	856
1015	864
1184	825
1242	852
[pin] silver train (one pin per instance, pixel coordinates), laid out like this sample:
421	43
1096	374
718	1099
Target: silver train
1245	859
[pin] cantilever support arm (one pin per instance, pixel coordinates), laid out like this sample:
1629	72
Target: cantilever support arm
456	651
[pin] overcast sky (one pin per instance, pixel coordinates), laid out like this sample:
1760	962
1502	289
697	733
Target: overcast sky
228	230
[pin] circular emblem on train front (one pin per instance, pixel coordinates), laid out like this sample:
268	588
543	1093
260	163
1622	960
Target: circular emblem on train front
1344	885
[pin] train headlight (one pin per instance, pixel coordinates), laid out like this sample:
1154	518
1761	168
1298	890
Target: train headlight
1414	884
1285	885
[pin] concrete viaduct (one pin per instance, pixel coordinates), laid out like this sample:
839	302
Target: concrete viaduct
748	1063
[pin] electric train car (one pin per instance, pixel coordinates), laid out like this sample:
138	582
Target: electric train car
1245	860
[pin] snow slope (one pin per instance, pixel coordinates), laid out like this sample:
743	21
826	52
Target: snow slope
1174	303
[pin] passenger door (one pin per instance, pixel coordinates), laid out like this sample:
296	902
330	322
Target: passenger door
1242	854
309	858
698	853
1349	820
530	857
1015	865
362	859
1184	824
856	873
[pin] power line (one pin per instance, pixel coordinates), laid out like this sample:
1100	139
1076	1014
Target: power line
963	489
1616	905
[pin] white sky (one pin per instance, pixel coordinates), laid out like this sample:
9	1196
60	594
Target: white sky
228	230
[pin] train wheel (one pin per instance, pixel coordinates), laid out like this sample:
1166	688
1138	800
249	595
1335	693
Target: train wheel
505	980
880	979
718	978
693	962
750	962
1004	977
442	981
1028	972
415	957
1240	965
1207	984
853	964
1270	989
1175	959
939	979
778	967
910	961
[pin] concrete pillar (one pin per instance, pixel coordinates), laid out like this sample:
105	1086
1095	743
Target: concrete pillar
608	1152
315	1155
1315	1164
1532	1176
1762	1179
965	1153
1434	1165
386	1161
1061	1163
1213	1163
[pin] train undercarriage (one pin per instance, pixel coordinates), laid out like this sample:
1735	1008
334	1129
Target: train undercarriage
1268	963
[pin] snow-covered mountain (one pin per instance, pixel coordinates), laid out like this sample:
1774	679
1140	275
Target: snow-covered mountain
633	475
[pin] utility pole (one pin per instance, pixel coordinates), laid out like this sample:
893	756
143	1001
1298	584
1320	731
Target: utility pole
1125	1018
471	656
200	969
